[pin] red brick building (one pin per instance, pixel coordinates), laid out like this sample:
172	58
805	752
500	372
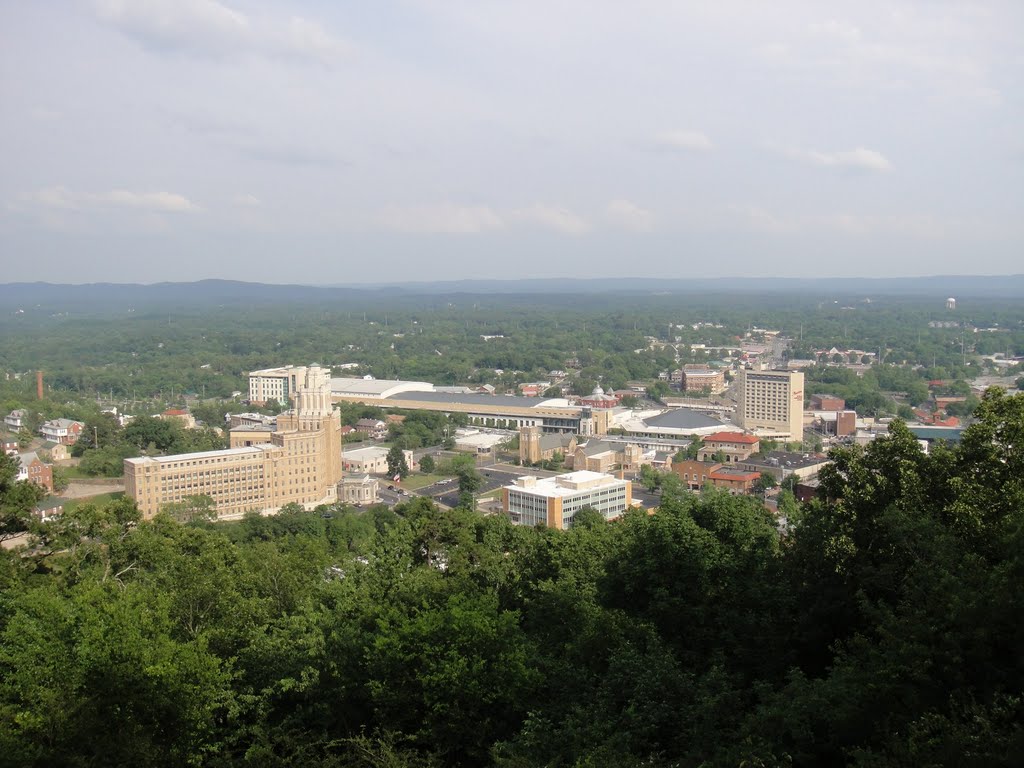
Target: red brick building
33	469
735	446
827	403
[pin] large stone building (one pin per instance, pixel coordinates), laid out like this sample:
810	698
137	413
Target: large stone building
771	403
554	501
297	462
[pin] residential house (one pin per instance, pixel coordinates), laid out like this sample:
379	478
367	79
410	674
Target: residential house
57	451
64	431
16	419
35	470
375	429
11	447
694	474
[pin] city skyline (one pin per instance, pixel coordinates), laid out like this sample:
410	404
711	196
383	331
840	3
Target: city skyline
409	141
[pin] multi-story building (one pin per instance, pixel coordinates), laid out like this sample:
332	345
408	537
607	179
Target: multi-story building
697	475
771	403
298	462
823	402
34	469
728	447
278	384
64	431
16	419
554	501
701	379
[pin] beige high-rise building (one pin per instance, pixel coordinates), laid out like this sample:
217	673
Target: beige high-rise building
300	461
771	402
278	384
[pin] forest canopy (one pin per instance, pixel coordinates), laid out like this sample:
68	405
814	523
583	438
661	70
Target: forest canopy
883	629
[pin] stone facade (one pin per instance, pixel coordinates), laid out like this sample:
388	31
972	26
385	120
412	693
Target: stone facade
299	462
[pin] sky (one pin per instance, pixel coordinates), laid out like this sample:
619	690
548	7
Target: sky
326	142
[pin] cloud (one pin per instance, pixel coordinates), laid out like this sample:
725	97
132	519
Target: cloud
61	197
211	28
630	216
859	158
54	197
835	30
247	201
450	218
149	201
690	140
446	218
554	218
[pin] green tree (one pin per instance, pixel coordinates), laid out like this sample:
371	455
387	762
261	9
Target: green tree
427	464
765	482
650	478
397	465
17	499
464	468
192	509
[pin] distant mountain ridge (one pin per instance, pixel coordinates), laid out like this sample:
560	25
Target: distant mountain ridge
216	292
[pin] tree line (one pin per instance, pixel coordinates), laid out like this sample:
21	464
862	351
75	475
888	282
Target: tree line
882	629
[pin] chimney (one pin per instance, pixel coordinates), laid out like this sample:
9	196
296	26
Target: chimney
39	385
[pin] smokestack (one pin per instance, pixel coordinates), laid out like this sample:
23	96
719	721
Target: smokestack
39	385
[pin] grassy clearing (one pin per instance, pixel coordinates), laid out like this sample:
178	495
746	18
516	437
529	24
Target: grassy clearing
100	499
417	480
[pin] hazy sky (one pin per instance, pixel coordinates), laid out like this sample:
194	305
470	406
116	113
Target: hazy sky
329	142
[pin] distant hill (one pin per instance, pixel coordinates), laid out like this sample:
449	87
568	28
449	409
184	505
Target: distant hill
233	292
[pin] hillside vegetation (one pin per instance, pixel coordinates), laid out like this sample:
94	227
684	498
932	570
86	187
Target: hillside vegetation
885	629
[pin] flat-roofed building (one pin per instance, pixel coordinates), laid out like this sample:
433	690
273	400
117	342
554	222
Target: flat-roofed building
279	384
299	462
373	460
782	464
771	403
554	501
358	490
702	379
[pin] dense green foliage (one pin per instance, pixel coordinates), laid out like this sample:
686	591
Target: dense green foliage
885	629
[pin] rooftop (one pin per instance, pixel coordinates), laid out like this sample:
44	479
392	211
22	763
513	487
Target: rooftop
381	388
682	418
569	484
490	400
732	437
225	453
787	460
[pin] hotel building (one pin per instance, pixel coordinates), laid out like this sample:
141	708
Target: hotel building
771	403
297	462
278	384
554	501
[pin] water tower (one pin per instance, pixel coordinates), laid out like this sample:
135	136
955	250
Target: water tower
950	303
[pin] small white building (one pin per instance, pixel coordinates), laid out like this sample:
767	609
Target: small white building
372	460
358	490
474	441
